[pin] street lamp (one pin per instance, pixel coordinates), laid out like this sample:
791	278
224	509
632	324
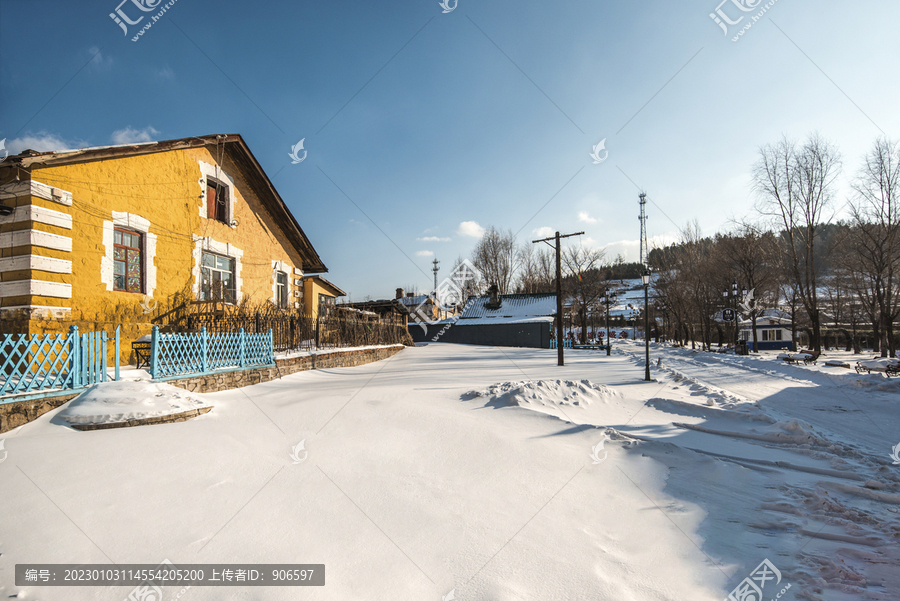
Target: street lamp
734	295
608	298
645	277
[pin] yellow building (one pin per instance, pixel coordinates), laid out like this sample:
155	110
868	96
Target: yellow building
318	294
128	234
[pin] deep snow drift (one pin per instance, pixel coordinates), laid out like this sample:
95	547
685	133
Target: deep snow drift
128	400
491	473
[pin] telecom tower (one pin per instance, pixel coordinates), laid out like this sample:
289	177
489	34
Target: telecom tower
643	218
435	271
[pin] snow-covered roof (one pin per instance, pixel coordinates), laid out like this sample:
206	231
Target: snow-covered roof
511	305
490	321
413	301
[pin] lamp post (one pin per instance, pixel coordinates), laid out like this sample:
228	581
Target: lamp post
661	308
734	295
646	279
607	298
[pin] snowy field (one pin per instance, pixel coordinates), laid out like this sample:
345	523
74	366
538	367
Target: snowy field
477	473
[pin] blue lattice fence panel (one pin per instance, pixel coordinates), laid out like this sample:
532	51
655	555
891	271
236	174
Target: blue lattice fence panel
224	350
258	349
197	353
177	354
34	362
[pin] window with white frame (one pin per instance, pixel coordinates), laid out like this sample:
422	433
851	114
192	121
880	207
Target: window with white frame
128	263
281	289
217	280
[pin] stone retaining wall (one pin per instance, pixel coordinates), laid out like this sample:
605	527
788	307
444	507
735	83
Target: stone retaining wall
247	377
13	415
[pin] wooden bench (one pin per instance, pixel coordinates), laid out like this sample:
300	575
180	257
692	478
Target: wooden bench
889	367
807	357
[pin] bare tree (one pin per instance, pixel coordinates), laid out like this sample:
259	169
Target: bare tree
795	185
586	284
536	269
469	285
496	258
875	239
751	254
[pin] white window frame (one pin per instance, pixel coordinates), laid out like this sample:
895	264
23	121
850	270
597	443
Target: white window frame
215	172
138	224
285	268
206	244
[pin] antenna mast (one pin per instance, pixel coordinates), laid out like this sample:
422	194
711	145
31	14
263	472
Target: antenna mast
643	218
435	271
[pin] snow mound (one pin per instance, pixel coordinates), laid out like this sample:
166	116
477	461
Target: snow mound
111	402
711	395
752	413
546	393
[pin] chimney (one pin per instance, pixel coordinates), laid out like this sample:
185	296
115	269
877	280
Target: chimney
399	293
494	301
410	294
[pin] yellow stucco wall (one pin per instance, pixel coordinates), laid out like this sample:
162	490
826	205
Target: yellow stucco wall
165	189
312	287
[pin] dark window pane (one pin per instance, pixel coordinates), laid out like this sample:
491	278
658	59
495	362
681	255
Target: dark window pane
119	282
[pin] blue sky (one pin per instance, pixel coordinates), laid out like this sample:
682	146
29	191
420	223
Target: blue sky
436	124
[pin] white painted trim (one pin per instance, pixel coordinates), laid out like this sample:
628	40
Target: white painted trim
107	264
37	262
42	311
217	173
222	248
39	215
35	238
298	271
280	266
35	188
35	288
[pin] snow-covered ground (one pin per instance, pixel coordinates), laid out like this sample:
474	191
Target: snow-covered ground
491	473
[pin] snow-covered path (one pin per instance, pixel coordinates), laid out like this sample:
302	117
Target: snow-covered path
417	478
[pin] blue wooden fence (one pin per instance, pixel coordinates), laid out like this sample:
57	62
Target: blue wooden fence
566	343
36	363
192	353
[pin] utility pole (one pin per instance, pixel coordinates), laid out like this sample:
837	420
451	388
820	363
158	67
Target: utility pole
645	277
560	343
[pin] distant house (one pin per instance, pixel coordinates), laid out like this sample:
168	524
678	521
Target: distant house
497	320
421	306
387	311
319	295
773	329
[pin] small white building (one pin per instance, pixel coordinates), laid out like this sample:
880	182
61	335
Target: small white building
773	329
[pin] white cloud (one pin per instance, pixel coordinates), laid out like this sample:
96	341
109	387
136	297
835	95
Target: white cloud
432	239
470	228
99	62
43	142
583	216
165	73
130	135
424	253
544	232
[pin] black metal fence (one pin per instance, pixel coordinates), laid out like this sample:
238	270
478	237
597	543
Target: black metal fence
298	331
